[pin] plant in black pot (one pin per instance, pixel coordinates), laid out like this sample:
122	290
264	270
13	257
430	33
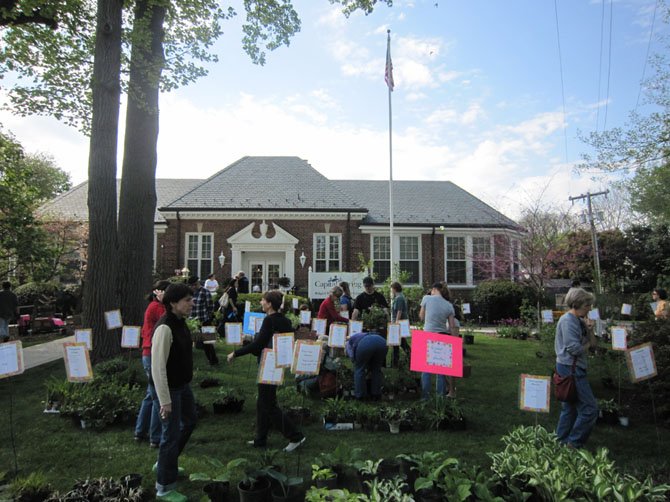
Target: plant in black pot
285	488
230	400
608	411
218	476
324	477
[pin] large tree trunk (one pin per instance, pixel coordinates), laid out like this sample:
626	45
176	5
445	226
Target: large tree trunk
138	184
100	294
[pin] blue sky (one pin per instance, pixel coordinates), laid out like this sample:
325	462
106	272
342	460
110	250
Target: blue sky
478	97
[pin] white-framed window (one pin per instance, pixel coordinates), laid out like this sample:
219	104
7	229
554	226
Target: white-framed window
381	257
199	253
409	259
482	259
456	260
406	253
327	252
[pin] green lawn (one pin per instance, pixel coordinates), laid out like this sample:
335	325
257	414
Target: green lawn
52	445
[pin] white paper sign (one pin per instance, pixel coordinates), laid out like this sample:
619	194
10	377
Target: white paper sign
77	362
283	348
305	317
626	309
393	334
641	363
268	372
404	328
11	358
294	303
247	306
547	316
306	358
534	393
258	322
338	335
439	353
465	308
344	313
233	333
619	338
130	337
355	327
594	314
113	319
84	336
319	326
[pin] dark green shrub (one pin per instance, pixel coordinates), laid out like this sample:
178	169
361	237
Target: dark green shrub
120	371
658	333
32	293
101	404
499	299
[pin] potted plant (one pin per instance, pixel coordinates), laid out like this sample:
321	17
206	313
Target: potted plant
374	319
367	471
393	415
218	477
289	487
608	411
324	477
230	400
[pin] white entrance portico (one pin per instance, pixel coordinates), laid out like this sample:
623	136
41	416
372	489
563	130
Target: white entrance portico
263	259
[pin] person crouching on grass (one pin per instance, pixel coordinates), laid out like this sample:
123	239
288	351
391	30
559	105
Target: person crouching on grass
171	372
268	412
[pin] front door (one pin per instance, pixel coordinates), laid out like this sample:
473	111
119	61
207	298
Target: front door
265	270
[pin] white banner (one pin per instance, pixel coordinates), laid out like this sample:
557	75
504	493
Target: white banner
320	283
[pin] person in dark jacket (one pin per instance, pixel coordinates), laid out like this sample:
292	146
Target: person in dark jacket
9	306
172	372
268	412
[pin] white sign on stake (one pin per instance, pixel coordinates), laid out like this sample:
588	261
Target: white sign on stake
534	393
306	358
130	337
547	316
355	327
337	337
268	372
319	326
282	344
294	303
305	317
393	334
465	308
11	358
641	362
77	362
247	306
344	313
594	314
84	336
233	333
626	309
619	338
404	328
113	319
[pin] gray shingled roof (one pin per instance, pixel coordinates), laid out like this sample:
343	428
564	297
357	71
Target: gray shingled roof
73	203
423	203
275	183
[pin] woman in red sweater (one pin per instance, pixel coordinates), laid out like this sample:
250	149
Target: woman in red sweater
148	420
328	311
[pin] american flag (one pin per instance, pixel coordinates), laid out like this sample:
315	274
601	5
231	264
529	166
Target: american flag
388	74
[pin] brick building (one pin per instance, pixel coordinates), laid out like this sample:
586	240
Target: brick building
278	216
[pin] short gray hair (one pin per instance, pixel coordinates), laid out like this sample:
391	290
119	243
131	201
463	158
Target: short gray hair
578	298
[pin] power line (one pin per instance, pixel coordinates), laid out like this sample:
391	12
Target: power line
646	57
609	65
560	65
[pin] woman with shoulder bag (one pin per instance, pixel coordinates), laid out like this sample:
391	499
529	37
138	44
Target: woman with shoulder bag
572	343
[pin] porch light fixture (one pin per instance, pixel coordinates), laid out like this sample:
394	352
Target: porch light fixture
222	259
302	259
185	271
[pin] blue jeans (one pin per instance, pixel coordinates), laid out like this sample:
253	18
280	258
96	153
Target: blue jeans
148	419
577	419
426	387
176	430
370	355
4	329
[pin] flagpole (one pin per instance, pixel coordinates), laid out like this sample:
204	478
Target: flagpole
389	82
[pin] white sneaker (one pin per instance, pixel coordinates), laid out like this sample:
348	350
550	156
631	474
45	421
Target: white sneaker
293	445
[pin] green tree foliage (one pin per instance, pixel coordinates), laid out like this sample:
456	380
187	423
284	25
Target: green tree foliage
650	188
500	299
25	182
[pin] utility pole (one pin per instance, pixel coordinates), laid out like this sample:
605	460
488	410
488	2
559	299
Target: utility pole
594	238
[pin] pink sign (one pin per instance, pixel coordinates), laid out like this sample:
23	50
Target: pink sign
435	353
